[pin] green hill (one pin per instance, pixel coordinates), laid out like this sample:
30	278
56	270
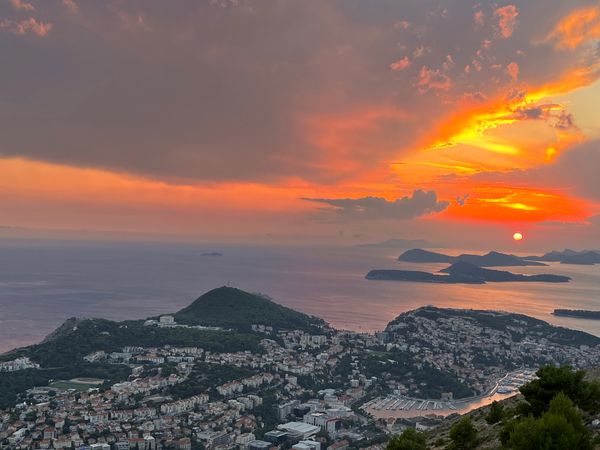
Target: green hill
70	343
233	308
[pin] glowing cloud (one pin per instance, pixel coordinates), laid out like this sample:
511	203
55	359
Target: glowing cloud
507	20
433	79
512	204
401	64
513	70
577	28
20	5
23	27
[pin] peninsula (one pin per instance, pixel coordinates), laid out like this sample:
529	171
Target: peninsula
577	313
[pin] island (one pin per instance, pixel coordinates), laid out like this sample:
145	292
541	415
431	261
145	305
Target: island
568	256
577	313
491	259
462	272
418	255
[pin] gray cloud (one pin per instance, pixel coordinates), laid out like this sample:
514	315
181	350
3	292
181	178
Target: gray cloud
577	169
232	90
375	208
462	200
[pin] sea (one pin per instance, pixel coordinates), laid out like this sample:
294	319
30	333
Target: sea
42	283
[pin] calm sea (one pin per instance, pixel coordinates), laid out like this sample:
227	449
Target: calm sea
42	284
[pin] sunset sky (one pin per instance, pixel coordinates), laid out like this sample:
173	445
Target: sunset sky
348	121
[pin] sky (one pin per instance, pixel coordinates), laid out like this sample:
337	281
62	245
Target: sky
345	121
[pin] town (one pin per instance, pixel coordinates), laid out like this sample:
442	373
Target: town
299	389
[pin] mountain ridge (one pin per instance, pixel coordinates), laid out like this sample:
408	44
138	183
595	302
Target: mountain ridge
490	259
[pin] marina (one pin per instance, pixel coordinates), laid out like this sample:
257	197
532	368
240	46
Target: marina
401	406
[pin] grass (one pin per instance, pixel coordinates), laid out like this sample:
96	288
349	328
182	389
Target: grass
65	385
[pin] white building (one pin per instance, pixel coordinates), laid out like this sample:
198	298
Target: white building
307	445
300	429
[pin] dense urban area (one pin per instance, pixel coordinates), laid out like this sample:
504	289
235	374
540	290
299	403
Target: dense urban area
236	370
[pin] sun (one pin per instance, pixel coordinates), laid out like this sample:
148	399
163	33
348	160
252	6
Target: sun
517	236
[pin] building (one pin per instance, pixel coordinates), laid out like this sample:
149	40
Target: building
276	437
243	439
302	410
166	321
300	430
339	445
100	447
307	445
50	433
259	445
213	439
286	409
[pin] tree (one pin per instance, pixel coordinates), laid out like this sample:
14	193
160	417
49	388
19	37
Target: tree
553	380
561	427
495	414
410	439
463	434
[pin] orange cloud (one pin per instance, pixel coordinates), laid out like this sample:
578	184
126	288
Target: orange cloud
433	79
513	70
506	203
507	20
23	27
401	64
71	6
471	123
20	5
479	18
349	140
577	28
25	180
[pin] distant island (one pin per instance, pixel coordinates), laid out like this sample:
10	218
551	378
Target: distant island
568	256
491	259
211	254
577	313
462	272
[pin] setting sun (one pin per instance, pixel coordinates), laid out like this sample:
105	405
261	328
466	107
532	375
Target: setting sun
517	236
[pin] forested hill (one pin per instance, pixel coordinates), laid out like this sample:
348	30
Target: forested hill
233	308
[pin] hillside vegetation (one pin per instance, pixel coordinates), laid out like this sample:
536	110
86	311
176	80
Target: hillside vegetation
553	412
233	308
90	335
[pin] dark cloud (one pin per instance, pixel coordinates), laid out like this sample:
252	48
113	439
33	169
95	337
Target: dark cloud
462	200
375	208
576	169
232	90
554	114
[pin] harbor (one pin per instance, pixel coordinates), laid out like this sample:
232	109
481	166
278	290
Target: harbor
401	406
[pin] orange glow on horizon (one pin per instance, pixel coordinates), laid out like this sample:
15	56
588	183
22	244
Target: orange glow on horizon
511	204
